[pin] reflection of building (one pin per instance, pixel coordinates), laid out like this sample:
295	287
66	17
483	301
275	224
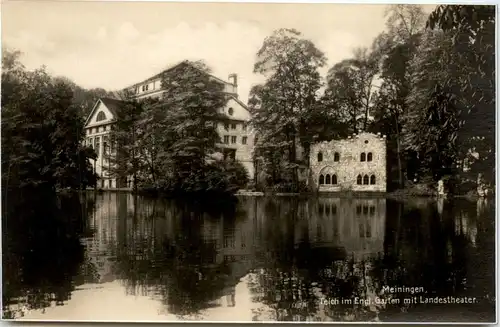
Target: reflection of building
357	225
236	137
100	247
355	164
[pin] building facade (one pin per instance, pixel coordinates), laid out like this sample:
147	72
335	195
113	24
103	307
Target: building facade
355	164
97	130
237	138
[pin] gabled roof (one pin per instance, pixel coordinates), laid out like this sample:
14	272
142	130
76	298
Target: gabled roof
169	68
239	102
113	105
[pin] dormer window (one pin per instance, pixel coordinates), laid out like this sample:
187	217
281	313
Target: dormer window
230	111
100	116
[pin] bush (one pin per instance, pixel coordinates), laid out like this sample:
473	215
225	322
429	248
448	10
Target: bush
290	187
219	177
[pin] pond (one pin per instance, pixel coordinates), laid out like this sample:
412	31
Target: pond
116	257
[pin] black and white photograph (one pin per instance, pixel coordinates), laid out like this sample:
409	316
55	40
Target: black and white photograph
248	162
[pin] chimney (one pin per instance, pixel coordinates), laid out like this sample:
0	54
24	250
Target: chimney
233	78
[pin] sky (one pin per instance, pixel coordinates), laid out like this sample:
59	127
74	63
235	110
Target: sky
116	44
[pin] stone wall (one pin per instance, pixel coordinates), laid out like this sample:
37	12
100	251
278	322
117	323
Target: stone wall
349	165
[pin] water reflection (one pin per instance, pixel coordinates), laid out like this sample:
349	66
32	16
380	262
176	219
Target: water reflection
266	259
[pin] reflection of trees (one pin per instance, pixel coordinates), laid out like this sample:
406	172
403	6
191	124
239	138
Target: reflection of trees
190	254
422	248
168	256
435	251
41	252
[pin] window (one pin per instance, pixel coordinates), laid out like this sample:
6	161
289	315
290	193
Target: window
233	126
358	209
359	180
233	139
321	179
97	145
244	127
100	116
226	126
372	180
334	209
363	157
327	210
361	230
110	183
321	208
105	145
327	179
244	140
369	157
320	156
365	210
230	111
226	139
334	179
336	156
372	210
366	141
365	180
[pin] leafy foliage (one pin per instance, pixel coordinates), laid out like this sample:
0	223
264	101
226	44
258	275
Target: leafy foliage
123	148
42	131
168	144
284	106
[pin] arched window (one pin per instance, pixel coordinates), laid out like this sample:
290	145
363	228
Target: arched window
336	156
100	116
321	179
359	180
327	180
320	156
363	157
369	157
365	180
372	180
334	179
327	210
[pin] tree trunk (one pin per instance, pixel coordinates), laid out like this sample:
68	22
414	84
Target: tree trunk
398	153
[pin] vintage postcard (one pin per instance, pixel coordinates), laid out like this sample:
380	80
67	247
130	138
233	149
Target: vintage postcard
248	162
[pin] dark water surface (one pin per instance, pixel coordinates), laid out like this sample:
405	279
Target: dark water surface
115	257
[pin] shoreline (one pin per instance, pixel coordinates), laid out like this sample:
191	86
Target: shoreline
400	194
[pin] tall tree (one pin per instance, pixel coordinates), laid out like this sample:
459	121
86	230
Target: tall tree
193	100
405	24
123	148
42	132
350	88
472	33
291	65
83	98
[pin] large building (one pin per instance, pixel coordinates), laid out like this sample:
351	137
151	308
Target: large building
355	164
237	139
